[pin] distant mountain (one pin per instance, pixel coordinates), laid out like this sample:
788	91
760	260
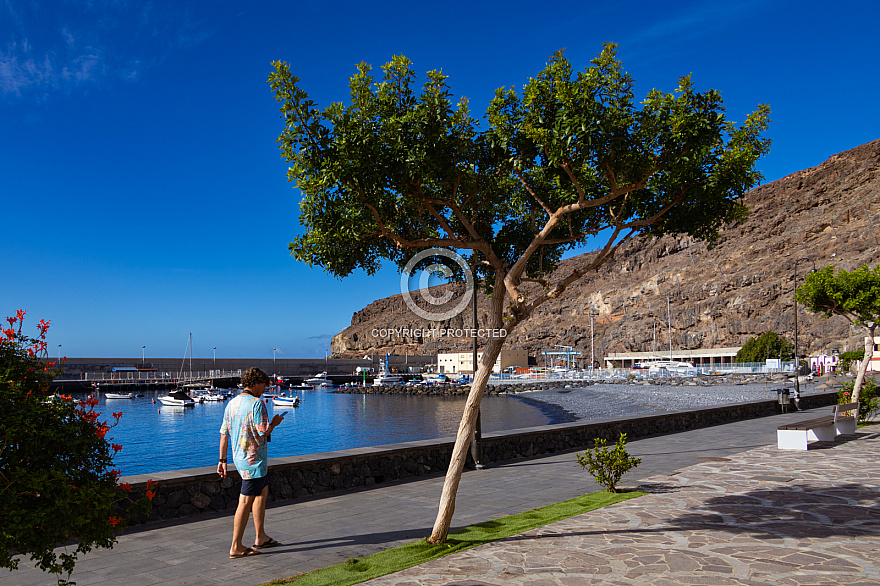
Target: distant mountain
743	286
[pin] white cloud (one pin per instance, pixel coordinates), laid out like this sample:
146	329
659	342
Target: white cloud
73	45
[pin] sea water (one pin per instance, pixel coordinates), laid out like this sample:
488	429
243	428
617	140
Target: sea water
156	437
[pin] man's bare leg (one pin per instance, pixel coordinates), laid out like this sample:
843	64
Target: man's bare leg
245	504
259	508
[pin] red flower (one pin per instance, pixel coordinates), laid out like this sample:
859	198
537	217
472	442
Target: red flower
150	494
115	473
117	415
125	486
114	521
116	447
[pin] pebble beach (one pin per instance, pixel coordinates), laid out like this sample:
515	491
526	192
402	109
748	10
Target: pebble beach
602	401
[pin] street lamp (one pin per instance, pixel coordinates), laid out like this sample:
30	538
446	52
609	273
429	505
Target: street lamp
215	354
797	361
59	354
143	355
273	354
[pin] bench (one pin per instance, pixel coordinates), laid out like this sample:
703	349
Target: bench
797	436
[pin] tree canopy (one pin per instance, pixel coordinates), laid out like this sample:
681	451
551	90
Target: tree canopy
569	157
853	294
396	171
767	345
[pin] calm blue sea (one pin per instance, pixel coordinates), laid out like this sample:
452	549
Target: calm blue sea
156	438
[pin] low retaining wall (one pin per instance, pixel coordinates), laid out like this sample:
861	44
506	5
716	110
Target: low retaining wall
197	491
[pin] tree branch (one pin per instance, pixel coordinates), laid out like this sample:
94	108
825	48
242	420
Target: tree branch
532	193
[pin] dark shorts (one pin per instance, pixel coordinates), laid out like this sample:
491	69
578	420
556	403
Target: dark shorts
254	486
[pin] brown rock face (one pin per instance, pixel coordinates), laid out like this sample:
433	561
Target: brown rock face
719	297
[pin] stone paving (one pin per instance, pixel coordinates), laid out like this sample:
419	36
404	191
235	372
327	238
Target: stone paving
763	516
760	517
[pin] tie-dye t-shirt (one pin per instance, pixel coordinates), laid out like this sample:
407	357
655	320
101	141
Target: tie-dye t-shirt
246	421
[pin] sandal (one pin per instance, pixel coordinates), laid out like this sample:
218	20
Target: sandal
248	552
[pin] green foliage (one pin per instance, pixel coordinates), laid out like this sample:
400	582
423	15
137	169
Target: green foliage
607	465
869	401
847	358
56	477
852	294
569	156
767	345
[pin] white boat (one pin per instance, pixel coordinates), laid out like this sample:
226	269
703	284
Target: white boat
318	379
117	395
177	399
384	378
285	401
667	365
300	387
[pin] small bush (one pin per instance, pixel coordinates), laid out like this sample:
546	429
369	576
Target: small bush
607	465
869	402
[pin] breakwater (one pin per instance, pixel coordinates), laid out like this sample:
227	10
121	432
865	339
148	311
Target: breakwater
198	491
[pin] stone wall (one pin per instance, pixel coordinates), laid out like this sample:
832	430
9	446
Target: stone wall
197	491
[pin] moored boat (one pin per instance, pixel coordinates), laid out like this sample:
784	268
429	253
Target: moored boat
117	395
177	399
318	379
286	401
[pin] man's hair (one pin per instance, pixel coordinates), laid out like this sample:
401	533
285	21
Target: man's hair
254	376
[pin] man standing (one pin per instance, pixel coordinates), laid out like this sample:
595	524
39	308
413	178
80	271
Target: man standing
247	421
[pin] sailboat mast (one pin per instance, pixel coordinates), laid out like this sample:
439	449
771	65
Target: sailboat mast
669	323
191	355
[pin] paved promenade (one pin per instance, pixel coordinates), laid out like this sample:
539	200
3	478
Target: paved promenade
759	517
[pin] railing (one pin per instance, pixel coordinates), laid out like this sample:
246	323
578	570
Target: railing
157	377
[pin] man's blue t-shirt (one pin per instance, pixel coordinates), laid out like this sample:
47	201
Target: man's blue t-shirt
246	421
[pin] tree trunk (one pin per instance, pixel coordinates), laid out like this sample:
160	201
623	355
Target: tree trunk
863	368
463	441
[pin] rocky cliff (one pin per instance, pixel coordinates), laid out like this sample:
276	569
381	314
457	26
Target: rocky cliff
718	297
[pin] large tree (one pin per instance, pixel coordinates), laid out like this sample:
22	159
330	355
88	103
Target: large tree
853	294
767	345
570	157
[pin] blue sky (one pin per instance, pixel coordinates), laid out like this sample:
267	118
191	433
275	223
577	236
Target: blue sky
144	198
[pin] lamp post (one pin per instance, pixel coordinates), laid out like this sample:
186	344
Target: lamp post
143	355
797	361
273	354
59	354
215	354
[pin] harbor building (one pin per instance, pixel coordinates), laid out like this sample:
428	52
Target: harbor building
709	357
463	362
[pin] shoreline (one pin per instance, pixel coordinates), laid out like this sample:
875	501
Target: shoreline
571	402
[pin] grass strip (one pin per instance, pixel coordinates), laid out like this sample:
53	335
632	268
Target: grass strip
357	570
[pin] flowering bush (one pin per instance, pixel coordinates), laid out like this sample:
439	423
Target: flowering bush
869	401
57	483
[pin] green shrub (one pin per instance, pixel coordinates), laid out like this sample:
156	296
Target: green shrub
55	464
607	465
869	402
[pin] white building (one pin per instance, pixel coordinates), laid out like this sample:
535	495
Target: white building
463	362
708	357
874	366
